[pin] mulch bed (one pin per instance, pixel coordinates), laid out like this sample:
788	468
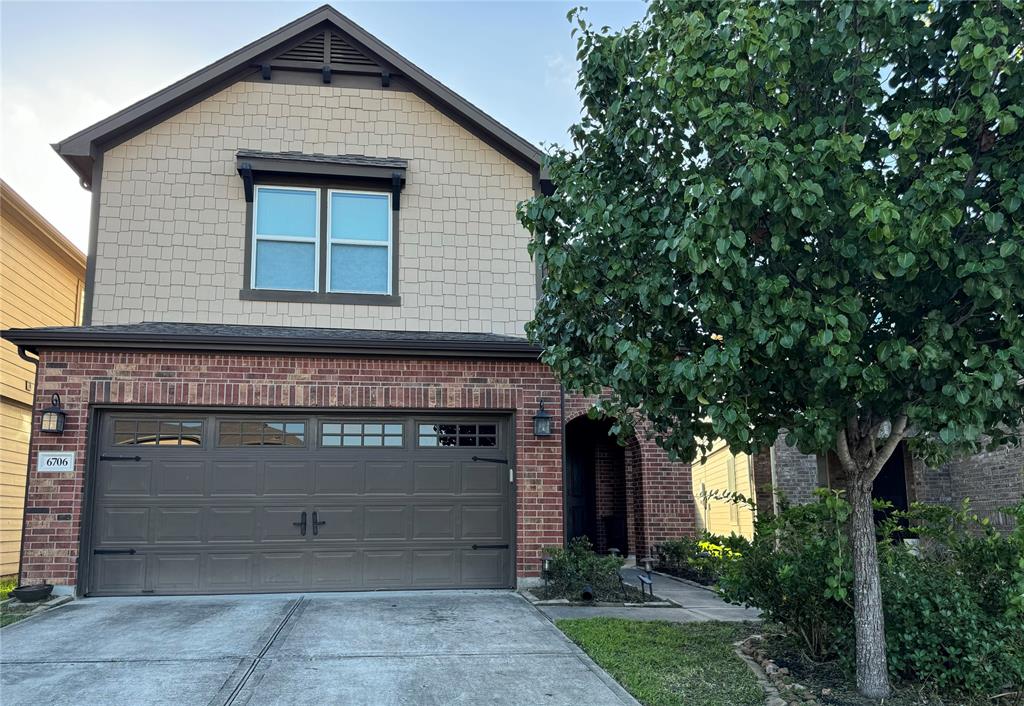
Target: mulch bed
632	595
803	682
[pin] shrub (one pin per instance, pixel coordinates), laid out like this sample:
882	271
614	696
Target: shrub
954	604
798	572
702	559
576	566
951	607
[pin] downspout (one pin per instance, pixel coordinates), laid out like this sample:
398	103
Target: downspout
23	354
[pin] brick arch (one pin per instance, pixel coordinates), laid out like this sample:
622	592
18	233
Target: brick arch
659	494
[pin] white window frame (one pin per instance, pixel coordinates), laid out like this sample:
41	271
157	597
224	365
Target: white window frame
349	241
257	237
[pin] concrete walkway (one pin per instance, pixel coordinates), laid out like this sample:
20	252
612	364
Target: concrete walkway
698	604
414	647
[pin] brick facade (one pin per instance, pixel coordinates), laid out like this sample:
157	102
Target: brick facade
991	480
656	488
610	491
84	378
658	494
796	473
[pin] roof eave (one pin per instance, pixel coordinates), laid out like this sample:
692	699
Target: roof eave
35	340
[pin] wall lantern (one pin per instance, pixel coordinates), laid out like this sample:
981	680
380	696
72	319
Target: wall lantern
52	421
541	422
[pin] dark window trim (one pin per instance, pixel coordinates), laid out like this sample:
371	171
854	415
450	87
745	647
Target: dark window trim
322	296
158	419
435	423
281	417
362	422
276	166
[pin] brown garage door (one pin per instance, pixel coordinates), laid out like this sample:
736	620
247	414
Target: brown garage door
198	503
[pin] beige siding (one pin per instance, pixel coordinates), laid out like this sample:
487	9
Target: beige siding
41	284
172	221
15	424
38	287
725	472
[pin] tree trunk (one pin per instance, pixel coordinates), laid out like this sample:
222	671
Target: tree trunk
872	669
862	459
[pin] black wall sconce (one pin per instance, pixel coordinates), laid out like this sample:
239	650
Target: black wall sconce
52	421
541	422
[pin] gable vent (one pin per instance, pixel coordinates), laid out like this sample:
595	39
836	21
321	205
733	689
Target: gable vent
344	53
312	50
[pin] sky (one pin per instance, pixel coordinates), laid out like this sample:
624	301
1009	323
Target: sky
67	65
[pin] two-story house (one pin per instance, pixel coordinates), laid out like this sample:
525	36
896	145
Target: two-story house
303	364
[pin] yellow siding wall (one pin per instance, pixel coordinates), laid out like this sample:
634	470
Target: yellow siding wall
41	284
717	473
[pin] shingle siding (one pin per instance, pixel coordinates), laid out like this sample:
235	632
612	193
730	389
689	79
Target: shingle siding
171	242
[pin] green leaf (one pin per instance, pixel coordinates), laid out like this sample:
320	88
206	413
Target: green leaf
993	221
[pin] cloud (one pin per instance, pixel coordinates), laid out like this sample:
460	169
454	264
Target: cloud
560	73
39	107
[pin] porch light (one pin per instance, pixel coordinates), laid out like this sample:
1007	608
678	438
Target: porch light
52	421
541	422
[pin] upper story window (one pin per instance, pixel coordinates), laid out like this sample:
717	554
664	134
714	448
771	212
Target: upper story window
321	228
286	230
360	247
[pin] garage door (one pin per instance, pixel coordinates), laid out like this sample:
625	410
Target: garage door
195	503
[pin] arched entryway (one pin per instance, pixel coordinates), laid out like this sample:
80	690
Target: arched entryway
597	492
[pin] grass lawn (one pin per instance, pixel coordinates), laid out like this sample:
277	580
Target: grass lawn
663	664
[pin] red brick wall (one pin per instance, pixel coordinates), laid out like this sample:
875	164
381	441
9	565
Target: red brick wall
610	493
54	507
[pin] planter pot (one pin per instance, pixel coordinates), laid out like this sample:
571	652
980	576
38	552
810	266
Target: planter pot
31	594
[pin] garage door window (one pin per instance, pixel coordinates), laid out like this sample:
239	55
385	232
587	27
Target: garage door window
457	435
361	434
232	434
158	432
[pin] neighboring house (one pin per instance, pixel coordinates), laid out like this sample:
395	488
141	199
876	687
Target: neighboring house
43	277
991	480
303	364
722	476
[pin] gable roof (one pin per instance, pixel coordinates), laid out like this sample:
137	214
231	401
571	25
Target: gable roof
15	206
358	48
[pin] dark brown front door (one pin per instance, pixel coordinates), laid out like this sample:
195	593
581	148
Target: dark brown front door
200	503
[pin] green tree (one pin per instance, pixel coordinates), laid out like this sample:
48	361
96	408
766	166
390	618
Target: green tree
800	216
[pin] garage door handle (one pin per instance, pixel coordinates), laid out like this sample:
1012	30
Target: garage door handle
490	546
106	457
491	460
317	523
302	523
113	551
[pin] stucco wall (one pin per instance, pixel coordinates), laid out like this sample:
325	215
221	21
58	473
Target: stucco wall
172	216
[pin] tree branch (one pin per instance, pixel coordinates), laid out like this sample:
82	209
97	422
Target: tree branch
843	450
895	437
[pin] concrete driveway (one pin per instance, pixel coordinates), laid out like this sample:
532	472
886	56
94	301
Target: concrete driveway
436	647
